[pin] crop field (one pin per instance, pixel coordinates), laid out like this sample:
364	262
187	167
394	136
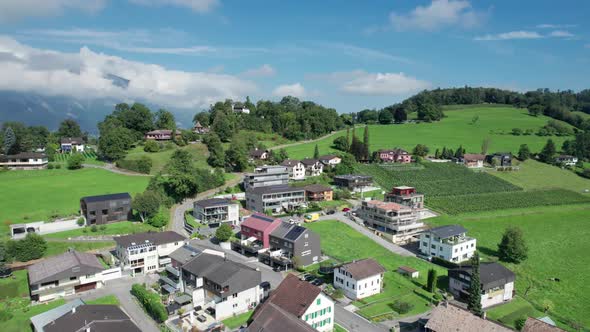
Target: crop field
458	127
557	240
29	196
90	158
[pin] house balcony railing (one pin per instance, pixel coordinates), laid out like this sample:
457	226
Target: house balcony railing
175	272
458	240
171	282
165	261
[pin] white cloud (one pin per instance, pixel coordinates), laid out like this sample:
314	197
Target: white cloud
364	53
265	70
198	6
561	34
439	13
360	82
295	90
14	10
555	26
521	34
88	75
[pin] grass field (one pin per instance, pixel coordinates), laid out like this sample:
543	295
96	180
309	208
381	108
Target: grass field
336	239
38	195
123	227
22	313
237	321
494	123
557	241
15	286
59	247
160	159
109	299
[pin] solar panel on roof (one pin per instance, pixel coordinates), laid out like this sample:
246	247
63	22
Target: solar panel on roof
294	233
265	218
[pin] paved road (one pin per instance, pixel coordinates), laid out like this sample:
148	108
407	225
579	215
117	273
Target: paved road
121	289
340	216
353	322
114	169
178	210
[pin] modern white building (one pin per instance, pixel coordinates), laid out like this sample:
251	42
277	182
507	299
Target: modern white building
228	287
359	279
147	252
295	168
265	176
313	167
399	221
447	242
215	211
72	144
497	283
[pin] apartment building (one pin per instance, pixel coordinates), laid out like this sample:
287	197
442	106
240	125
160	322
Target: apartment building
447	242
396	155
318	193
229	288
313	167
215	211
265	176
24	161
66	274
359	279
147	252
295	168
497	283
105	209
291	245
400	221
274	199
407	196
353	182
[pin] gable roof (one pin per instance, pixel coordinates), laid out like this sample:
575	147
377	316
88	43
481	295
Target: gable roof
490	274
156	238
309	161
290	232
160	132
447	317
537	325
269	317
316	188
42	319
257	152
290	162
185	253
71	140
204	203
363	268
447	231
260	221
473	157
68	264
95	317
103	198
328	157
294	296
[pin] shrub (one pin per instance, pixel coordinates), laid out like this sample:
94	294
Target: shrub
519	323
50	166
338	293
103	227
141	165
402	307
151	146
151	302
80	221
76	161
223	233
33	246
57	166
517	131
93	229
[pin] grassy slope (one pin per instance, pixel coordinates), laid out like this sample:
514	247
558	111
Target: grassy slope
20	322
556	237
336	239
124	227
109	299
56	248
159	159
15	286
35	195
537	175
494	123
237	321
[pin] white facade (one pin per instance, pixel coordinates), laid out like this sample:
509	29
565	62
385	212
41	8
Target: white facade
332	161
65	287
454	249
315	169
297	172
218	213
567	160
320	314
72	147
490	297
234	304
146	257
357	289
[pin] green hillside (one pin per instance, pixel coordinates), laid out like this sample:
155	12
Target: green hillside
456	128
161	158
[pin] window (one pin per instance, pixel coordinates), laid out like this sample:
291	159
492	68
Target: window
440	248
105	211
424	244
234	295
433	246
73	278
318	301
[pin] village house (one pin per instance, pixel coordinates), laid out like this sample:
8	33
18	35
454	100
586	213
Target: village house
227	287
497	283
318	193
472	160
240	108
396	155
400	221
270	317
145	253
447	242
105	209
200	129
407	196
24	161
291	245
303	300
264	176
566	160
295	168
71	144
275	199
69	273
500	159
353	182
215	211
160	135
313	167
359	279
447	317
79	316
330	160
258	154
255	233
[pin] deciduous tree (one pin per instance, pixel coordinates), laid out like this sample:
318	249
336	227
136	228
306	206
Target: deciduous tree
512	248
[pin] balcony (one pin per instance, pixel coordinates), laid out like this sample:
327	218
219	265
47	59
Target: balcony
170	269
165	261
171	282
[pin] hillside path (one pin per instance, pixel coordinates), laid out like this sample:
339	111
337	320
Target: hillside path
177	211
304	142
112	168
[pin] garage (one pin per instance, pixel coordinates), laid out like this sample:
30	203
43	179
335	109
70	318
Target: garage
85	287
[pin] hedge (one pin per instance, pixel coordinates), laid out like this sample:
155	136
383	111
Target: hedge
141	165
150	302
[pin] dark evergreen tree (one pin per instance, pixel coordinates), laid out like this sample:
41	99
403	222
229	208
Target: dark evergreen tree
546	155
474	299
9	141
316	152
431	282
366	152
523	152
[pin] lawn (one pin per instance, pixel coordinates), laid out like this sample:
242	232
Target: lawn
118	228
268	139
15	286
455	129
338	328
56	248
22	313
109	299
160	159
336	239
38	195
238	320
536	175
557	241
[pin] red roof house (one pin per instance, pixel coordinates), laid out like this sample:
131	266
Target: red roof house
259	226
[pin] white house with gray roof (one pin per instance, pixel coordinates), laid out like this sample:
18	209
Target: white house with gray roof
448	242
215	211
66	274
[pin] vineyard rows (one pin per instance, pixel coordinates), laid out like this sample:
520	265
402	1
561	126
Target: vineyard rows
63	157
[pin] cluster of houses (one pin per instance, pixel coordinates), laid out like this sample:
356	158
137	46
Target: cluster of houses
38	159
299	169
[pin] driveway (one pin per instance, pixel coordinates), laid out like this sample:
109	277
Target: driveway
121	289
394	248
353	322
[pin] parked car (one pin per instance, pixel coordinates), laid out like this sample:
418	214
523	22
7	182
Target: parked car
210	311
318	282
330	212
309	278
424	257
345	209
201	318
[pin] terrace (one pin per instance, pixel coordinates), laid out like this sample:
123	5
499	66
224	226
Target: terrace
251	245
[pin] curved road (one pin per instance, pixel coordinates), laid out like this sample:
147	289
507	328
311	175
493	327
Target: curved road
114	169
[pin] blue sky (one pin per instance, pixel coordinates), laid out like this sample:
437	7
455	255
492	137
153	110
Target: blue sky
351	55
